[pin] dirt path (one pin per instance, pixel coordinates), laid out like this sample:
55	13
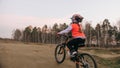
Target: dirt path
29	56
19	55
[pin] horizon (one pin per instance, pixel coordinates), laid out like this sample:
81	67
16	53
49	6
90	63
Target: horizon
18	14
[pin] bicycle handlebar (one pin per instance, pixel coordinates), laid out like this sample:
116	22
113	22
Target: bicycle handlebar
66	37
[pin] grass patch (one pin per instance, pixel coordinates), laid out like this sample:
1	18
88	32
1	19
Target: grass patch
108	63
102	50
117	51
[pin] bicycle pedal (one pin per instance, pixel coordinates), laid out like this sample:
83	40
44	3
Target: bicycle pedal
72	59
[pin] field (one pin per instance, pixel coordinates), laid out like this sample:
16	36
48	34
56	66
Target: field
28	55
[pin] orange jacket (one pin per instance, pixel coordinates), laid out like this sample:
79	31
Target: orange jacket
77	31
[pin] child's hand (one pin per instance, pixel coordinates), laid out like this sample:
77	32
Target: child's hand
58	34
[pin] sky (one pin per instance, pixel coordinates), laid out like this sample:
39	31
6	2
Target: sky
18	14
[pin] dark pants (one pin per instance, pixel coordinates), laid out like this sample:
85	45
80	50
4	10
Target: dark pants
74	44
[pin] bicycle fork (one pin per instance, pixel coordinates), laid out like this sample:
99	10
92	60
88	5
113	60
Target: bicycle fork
82	62
85	63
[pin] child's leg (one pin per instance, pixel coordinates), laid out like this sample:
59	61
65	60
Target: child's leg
76	48
72	45
79	41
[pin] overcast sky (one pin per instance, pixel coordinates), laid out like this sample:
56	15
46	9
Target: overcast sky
21	13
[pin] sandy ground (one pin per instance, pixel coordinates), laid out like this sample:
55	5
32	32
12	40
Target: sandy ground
20	55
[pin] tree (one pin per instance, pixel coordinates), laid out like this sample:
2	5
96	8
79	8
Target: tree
44	34
118	33
63	26
27	34
55	29
17	35
98	34
39	35
34	35
88	34
118	23
118	36
105	28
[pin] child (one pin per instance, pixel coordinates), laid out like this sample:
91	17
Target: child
77	35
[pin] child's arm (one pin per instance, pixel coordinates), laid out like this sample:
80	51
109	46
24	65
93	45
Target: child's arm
68	29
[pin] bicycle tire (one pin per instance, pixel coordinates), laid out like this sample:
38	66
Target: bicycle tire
56	53
82	55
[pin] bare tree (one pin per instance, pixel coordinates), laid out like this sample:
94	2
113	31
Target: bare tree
105	28
88	34
44	32
98	34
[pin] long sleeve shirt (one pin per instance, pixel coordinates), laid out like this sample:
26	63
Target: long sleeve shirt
75	31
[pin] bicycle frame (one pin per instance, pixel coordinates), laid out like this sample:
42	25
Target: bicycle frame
65	43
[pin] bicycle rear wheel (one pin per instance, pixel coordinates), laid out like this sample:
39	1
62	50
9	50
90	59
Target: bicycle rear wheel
86	61
60	53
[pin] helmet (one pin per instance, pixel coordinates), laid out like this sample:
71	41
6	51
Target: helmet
76	18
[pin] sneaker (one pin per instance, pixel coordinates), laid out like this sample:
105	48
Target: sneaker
73	55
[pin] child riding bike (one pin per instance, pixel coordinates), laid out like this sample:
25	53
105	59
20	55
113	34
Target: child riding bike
77	35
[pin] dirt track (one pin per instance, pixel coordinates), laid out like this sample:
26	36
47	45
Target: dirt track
19	55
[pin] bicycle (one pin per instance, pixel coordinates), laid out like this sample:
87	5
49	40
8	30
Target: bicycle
83	60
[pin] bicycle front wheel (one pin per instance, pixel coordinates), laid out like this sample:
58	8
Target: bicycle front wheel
60	53
86	61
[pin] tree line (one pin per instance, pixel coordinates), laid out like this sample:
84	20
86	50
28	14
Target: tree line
39	35
102	35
